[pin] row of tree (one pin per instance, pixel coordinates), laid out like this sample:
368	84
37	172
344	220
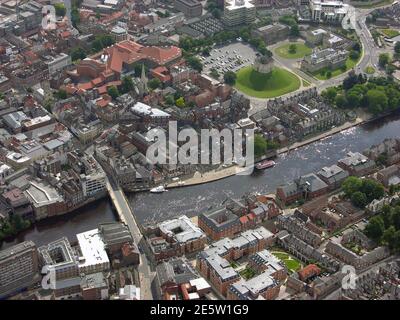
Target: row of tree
377	95
362	191
11	226
384	228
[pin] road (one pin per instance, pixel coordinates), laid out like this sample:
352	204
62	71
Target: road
126	215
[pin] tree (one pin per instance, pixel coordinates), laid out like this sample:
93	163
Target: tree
384	59
357	47
354	55
180	102
390	69
353	99
169	100
75	18
126	85
195	63
102	41
77	54
214	73
230	78
113	92
329	94
377	101
351	185
359	199
292	48
154	83
61	94
375	228
397	47
60	9
294	30
388	236
329	74
372	189
341	101
260	145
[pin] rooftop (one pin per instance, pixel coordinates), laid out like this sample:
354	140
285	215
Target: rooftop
92	248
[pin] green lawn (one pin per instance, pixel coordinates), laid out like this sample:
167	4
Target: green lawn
260	85
291	263
301	51
369	70
247	273
368	4
390	33
322	74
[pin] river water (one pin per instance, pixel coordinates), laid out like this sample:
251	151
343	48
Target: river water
150	208
68	225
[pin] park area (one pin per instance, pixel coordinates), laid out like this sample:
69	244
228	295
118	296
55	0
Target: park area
294	50
390	33
291	263
325	73
266	85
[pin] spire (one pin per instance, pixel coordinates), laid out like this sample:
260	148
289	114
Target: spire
143	79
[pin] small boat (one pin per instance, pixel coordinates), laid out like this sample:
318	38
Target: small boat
158	189
265	164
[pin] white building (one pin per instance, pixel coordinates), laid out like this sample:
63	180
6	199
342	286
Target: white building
329	11
238	12
5	171
93	183
93	256
58	63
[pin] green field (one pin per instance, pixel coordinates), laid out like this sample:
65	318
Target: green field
301	51
369	70
390	33
292	264
322	74
368	4
266	85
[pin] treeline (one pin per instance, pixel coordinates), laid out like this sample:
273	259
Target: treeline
99	43
362	191
376	95
11	226
384	228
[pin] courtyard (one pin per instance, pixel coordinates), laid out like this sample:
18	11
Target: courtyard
291	263
301	50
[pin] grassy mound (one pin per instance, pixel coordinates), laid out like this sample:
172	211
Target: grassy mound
266	85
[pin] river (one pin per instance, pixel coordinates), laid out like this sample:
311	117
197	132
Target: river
68	225
150	208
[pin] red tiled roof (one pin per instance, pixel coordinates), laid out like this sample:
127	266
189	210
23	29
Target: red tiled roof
244	219
309	271
65	34
129	52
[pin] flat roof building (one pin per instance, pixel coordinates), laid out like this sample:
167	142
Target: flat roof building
191	8
18	268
